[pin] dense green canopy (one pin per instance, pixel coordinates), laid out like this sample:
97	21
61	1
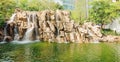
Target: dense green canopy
103	11
7	7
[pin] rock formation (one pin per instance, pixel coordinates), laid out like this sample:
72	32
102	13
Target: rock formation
1	34
50	26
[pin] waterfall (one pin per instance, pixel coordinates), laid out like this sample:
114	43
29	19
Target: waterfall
12	18
31	25
30	28
10	21
5	32
16	37
36	27
57	26
37	34
29	31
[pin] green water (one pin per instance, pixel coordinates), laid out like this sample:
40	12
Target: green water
53	52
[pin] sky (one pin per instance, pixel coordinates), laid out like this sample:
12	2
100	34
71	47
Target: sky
59	1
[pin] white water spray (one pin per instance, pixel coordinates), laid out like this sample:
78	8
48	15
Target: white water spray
16	37
57	24
36	28
12	18
10	21
29	31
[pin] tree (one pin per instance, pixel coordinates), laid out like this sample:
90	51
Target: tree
6	9
79	12
103	11
36	5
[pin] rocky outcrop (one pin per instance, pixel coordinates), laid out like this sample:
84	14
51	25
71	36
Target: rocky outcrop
51	26
1	34
110	38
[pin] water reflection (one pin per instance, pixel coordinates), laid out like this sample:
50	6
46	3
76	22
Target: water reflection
53	52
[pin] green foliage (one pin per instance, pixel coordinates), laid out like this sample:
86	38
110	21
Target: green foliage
1	23
108	32
79	12
36	5
7	7
103	11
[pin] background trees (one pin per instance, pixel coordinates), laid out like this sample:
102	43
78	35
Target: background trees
103	11
7	7
36	5
79	12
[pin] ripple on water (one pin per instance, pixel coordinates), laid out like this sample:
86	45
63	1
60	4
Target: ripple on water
24	42
60	52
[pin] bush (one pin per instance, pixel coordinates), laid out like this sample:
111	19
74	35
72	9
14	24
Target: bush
103	11
7	7
36	5
108	32
2	23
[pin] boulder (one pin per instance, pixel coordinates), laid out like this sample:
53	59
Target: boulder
8	38
68	26
1	36
54	26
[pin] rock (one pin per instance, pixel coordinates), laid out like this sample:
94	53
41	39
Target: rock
110	38
8	38
59	15
54	26
62	33
51	26
68	26
1	36
72	38
60	25
77	38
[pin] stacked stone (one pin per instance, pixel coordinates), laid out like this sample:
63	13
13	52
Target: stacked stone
54	26
1	34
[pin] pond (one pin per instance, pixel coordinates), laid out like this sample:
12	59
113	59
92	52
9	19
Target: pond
54	52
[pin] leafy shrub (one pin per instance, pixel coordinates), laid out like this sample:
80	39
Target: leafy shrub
103	11
7	7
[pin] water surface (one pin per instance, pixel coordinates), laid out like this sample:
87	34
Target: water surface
54	52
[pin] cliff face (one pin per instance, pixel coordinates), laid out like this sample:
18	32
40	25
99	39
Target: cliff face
48	25
1	34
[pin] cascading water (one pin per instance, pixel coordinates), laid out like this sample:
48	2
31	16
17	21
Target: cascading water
16	37
30	28
57	24
12	18
57	27
29	31
36	27
5	32
10	21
